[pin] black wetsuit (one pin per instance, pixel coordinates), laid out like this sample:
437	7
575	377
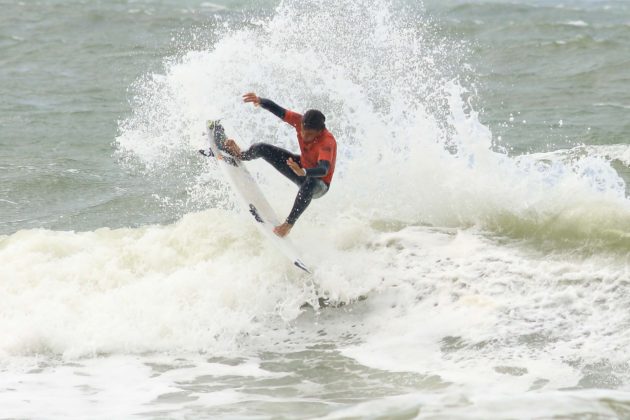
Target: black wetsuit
311	186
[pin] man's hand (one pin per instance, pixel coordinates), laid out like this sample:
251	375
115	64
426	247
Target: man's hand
251	97
296	168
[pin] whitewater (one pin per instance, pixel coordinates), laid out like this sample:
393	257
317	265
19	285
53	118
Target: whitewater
467	281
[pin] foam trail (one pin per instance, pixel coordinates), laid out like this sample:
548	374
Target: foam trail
137	290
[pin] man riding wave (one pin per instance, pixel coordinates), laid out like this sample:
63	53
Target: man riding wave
312	170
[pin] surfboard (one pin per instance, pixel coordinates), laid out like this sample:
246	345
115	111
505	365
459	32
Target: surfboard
249	194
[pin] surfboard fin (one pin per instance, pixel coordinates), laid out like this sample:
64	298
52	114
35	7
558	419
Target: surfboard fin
206	153
300	264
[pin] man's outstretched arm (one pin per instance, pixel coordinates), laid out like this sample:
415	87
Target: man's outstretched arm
273	107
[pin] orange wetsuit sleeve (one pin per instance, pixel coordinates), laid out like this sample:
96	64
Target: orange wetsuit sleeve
294	119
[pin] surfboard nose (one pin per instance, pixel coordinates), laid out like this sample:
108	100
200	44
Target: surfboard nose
218	132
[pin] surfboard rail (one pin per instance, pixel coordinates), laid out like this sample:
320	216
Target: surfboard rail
249	194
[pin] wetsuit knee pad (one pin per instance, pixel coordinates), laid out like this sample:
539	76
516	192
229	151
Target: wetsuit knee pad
313	188
319	188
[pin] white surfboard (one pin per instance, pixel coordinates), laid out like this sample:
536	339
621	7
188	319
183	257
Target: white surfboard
249	193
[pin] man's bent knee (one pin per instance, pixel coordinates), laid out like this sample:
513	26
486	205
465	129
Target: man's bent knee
314	187
255	151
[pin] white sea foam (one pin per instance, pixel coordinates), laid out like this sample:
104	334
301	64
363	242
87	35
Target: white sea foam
116	386
577	23
150	289
496	318
487	406
439	300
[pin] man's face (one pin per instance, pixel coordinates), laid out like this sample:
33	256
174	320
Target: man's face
309	134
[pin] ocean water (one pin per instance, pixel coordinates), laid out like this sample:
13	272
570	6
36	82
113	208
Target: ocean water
475	243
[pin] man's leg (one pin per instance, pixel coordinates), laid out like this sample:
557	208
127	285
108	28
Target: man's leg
311	188
275	156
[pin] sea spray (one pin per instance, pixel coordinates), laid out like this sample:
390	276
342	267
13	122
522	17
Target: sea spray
411	147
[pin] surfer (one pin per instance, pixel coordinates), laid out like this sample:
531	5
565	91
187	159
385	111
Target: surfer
312	170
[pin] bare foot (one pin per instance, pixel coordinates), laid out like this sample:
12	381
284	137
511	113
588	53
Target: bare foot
283	230
232	148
